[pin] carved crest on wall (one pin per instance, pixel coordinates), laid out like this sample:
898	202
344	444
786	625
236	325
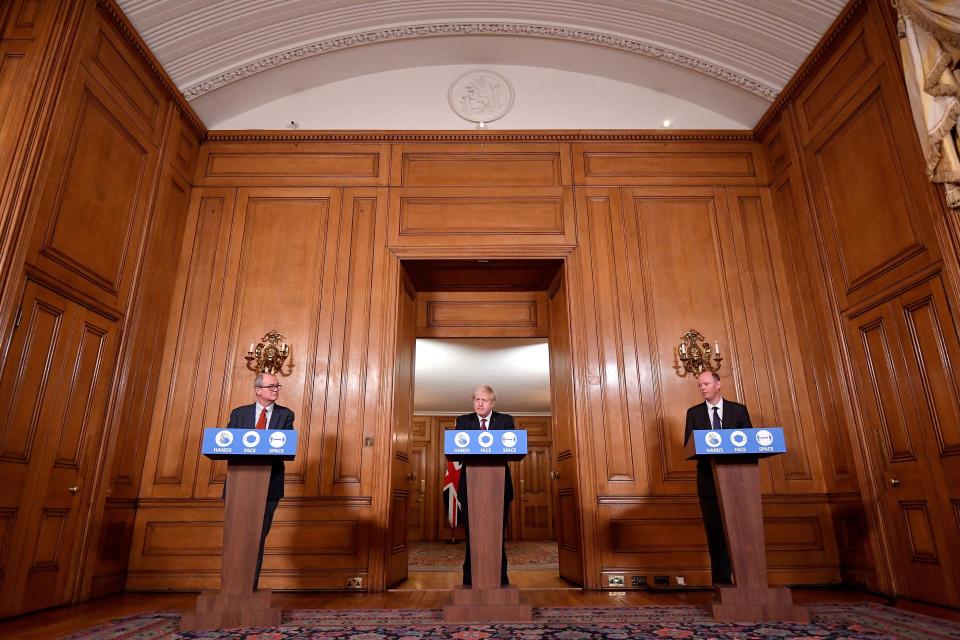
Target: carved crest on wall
480	96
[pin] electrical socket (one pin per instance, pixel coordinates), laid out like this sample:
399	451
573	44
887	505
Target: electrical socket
355	583
638	581
615	581
661	581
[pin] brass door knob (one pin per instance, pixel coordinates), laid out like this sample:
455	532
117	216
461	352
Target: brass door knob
894	482
411	477
73	490
554	475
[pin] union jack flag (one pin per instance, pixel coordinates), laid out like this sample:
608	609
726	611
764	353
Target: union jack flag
451	479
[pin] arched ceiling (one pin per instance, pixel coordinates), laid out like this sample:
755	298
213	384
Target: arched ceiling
751	47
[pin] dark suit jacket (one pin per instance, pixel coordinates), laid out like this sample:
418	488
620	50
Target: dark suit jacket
735	416
282	418
498	421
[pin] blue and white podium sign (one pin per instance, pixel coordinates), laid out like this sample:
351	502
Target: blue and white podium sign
477	442
765	441
269	443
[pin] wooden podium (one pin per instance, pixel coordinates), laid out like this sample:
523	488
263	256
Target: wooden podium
486	600
737	479
237	604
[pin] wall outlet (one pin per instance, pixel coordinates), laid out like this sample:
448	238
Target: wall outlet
661	581
355	583
638	581
615	581
681	581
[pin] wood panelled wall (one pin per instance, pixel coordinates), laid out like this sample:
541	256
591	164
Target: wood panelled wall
95	183
676	244
143	262
873	280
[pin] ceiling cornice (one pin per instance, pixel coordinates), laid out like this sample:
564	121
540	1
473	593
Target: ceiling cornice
486	28
571	135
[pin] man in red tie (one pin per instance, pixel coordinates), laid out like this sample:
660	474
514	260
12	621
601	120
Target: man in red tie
484	417
265	413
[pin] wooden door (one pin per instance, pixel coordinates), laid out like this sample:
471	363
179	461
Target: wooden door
58	371
418	511
899	440
564	472
535	494
402	479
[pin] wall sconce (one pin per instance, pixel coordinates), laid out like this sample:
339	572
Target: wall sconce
696	354
268	355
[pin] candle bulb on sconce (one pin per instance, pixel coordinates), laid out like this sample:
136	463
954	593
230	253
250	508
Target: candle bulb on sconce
696	354
269	354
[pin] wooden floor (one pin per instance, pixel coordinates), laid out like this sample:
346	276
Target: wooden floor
422	590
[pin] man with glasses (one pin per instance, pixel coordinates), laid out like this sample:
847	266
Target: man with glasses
265	413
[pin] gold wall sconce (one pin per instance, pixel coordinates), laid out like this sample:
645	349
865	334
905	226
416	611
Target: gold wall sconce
268	355
696	354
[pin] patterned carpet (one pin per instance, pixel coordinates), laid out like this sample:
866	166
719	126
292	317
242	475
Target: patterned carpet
829	622
522	555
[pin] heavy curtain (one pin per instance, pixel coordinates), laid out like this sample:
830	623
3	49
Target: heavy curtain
929	33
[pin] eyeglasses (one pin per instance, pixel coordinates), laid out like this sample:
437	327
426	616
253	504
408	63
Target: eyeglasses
272	387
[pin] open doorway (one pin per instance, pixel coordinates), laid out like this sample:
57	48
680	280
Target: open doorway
495	322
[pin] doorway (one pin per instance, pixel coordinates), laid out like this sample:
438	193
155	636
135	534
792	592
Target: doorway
465	323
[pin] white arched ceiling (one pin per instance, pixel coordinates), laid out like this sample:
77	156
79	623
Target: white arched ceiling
232	57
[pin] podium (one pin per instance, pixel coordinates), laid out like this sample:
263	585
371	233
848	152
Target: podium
249	454
485	453
733	455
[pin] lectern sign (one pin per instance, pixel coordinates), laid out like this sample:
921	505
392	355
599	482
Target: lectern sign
249	442
765	441
477	442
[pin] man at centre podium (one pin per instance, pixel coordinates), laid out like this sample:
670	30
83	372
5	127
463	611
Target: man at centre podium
484	417
265	413
714	413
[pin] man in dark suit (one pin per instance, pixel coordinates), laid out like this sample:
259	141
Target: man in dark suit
484	417
714	413
265	413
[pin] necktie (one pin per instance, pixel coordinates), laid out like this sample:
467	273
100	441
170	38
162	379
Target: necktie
262	420
716	418
483	423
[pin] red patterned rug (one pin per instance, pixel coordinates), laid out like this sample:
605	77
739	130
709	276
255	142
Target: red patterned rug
522	555
829	622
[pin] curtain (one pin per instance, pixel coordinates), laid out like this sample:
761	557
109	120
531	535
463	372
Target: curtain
929	33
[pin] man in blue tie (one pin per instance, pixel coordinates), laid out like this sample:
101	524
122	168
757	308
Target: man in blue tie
714	413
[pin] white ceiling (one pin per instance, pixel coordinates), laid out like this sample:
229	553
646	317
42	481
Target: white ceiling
447	371
233	56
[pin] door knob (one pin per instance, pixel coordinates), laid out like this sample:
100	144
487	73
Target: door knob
73	490
554	475
894	482
411	477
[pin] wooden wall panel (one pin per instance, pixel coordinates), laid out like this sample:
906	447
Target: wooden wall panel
616	424
430	217
282	164
680	290
113	65
482	315
866	206
481	165
701	163
843	72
